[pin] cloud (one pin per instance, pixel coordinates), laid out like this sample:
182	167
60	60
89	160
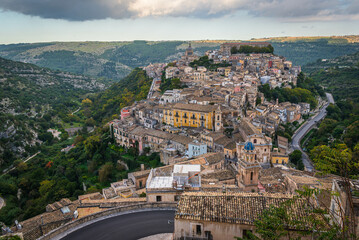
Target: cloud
80	10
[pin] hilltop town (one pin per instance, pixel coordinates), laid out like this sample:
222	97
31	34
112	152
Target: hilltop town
216	135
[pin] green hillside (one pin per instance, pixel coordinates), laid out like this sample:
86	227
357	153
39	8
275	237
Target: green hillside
53	175
340	128
109	60
339	75
33	99
305	52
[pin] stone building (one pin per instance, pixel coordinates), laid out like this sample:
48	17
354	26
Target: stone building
166	184
190	115
262	144
248	169
213	215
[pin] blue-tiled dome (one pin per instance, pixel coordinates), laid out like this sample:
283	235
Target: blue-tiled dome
249	146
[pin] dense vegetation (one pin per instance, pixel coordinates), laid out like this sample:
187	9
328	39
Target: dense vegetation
106	105
107	60
170	84
208	63
305	52
340	76
32	100
305	91
252	49
90	166
53	175
339	131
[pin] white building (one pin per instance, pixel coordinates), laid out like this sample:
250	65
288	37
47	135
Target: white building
196	149
171	96
166	185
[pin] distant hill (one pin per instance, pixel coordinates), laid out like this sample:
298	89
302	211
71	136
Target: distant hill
112	61
109	102
32	99
331	39
108	60
339	75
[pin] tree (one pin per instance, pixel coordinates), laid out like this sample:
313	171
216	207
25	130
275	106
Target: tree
258	101
336	160
339	160
86	102
46	137
295	156
92	143
105	172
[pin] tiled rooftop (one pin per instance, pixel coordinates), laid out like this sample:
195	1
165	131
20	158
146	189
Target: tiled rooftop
195	107
239	208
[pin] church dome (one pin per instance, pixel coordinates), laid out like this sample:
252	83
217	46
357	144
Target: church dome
249	146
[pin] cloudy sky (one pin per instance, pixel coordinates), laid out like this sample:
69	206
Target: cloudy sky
121	20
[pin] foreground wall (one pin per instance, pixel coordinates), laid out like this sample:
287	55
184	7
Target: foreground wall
213	230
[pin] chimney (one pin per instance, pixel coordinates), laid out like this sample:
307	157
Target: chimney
142	167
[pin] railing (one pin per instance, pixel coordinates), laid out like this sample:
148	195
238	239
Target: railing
194	238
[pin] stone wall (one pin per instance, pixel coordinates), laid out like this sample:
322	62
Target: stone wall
213	230
40	230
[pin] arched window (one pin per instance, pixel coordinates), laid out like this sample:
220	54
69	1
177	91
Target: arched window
255	141
251	176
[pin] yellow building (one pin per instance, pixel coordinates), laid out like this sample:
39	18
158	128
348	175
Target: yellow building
190	115
279	159
227	71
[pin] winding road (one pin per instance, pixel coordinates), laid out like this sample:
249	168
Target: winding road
305	128
128	226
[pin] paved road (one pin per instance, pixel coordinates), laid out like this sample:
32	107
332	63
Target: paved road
127	227
330	98
2	202
76	111
305	129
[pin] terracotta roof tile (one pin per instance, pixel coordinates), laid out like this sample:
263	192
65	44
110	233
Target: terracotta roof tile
195	107
240	208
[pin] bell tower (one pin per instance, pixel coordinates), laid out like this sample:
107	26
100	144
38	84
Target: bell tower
189	50
248	169
218	119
